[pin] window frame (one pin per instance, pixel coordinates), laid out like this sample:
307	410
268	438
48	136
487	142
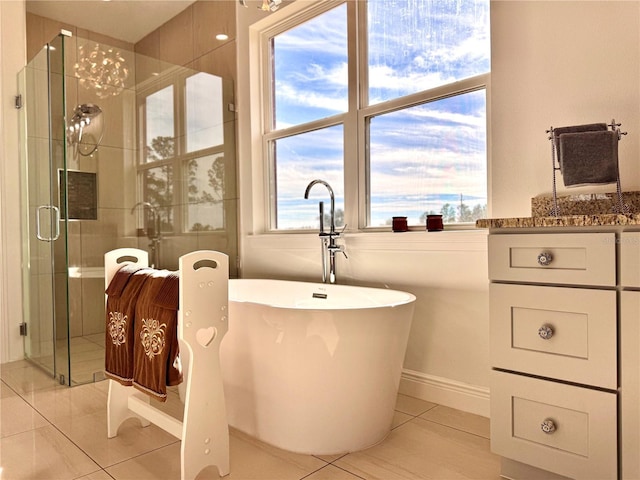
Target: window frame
354	121
176	77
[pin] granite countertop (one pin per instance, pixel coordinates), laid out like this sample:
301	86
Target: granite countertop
575	211
597	219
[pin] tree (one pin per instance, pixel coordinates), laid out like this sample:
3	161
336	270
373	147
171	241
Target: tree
158	181
479	211
423	217
158	184
161	148
448	213
214	194
464	213
338	219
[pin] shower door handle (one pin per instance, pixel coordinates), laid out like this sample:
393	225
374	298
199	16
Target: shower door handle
56	235
56	222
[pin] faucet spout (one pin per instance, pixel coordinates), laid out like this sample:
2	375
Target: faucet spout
332	208
144	205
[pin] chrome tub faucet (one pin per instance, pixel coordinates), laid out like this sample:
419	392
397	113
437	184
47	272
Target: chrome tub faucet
329	247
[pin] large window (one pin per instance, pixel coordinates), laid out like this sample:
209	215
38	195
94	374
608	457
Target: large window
181	169
386	101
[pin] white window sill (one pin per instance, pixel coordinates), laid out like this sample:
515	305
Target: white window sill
446	240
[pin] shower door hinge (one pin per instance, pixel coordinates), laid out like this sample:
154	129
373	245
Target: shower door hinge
23	329
18	102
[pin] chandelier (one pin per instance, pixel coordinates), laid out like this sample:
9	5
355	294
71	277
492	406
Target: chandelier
270	5
104	71
267	5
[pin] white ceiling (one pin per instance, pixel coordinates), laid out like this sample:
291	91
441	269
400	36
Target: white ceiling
128	20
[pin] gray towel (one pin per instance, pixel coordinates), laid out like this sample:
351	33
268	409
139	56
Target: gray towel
589	127
589	157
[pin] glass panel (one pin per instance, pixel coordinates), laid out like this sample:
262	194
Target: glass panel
44	235
160	132
205	187
204	112
310	70
416	45
157	189
429	158
299	159
59	164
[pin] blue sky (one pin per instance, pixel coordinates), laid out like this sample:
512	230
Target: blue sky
422	157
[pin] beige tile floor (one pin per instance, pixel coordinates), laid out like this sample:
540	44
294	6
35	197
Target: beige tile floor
48	431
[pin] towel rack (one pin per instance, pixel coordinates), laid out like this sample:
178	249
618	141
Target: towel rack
621	207
202	323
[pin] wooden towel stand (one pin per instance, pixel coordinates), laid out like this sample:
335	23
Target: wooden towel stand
202	323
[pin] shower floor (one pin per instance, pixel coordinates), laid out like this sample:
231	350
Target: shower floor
87	358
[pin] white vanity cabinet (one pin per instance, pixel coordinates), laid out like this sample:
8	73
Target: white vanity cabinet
554	313
629	266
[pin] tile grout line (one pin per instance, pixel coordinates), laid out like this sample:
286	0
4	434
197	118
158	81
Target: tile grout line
336	466
453	428
437	423
51	424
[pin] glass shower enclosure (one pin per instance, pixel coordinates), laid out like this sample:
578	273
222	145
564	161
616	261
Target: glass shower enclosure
43	155
117	150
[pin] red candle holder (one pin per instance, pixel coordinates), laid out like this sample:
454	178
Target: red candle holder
434	223
399	224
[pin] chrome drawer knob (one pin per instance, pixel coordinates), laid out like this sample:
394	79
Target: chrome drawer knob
545	332
548	426
545	258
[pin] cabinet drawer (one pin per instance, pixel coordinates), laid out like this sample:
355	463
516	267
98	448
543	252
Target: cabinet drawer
584	442
630	259
579	343
630	384
573	258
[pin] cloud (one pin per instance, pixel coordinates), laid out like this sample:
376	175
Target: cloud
316	87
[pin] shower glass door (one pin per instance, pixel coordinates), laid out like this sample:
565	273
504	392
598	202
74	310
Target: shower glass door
43	161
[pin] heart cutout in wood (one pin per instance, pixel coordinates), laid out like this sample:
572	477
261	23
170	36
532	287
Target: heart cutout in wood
205	336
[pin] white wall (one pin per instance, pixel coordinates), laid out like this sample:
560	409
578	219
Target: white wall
447	271
12	60
558	64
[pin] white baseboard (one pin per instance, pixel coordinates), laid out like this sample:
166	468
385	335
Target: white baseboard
447	392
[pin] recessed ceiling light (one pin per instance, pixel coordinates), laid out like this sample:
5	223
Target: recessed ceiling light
222	36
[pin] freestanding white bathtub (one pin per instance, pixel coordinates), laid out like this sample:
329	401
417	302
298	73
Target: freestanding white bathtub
314	368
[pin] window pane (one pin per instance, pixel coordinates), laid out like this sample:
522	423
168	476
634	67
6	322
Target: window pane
429	158
205	191
204	112
159	125
310	70
157	189
299	159
416	45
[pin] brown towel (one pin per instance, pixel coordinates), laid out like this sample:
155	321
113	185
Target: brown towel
122	294
155	350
